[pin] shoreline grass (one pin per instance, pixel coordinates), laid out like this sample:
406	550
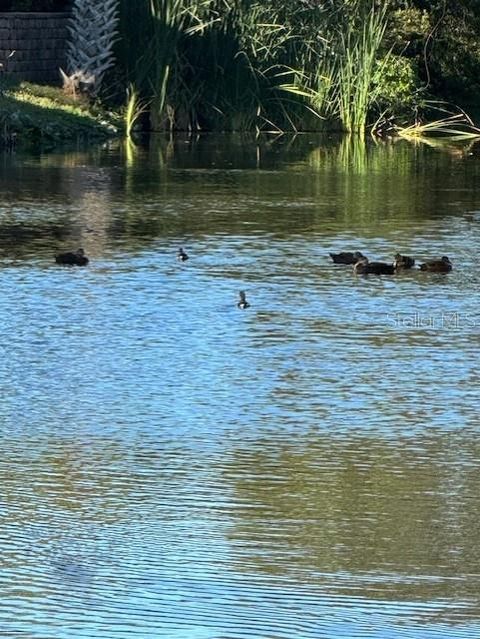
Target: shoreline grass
43	115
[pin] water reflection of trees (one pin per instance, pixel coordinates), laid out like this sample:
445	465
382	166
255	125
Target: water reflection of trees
402	515
207	185
51	201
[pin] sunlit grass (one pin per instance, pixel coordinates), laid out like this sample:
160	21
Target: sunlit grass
455	127
135	108
360	50
453	124
32	113
337	78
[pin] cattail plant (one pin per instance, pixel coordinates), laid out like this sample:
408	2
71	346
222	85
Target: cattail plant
93	30
359	51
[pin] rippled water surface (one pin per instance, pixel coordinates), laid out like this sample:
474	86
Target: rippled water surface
173	466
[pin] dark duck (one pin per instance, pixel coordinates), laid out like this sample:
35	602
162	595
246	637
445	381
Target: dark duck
181	255
72	259
242	303
443	265
403	262
346	257
364	267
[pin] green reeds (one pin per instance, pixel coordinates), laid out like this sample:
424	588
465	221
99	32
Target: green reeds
135	108
168	23
360	46
337	75
150	52
246	64
456	127
241	54
213	64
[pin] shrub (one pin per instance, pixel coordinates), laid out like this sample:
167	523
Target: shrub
396	84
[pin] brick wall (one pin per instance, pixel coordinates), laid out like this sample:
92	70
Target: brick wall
39	42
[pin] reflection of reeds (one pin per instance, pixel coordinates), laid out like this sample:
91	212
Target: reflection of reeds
353	154
350	155
130	152
8	138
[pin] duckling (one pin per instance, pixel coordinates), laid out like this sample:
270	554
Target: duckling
181	255
442	265
363	267
403	261
243	301
346	257
72	259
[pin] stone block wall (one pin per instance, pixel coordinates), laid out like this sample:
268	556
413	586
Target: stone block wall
39	41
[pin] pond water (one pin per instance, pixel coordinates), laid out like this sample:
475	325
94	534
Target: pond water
173	466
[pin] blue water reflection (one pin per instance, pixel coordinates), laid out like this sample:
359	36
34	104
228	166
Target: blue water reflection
173	466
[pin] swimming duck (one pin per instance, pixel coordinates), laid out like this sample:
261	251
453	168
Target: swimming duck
363	267
403	261
243	301
72	259
181	255
346	257
442	265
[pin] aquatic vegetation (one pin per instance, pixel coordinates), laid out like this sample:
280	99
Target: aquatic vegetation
299	65
360	47
454	126
251	65
134	109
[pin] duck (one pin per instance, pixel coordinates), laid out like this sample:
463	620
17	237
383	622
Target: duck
403	262
243	301
72	259
181	255
363	267
443	265
346	257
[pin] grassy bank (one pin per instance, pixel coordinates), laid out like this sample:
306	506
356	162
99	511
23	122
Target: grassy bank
32	115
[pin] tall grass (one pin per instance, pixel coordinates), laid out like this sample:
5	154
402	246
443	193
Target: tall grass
452	125
170	19
359	51
213	64
242	53
225	64
150	55
337	74
134	109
